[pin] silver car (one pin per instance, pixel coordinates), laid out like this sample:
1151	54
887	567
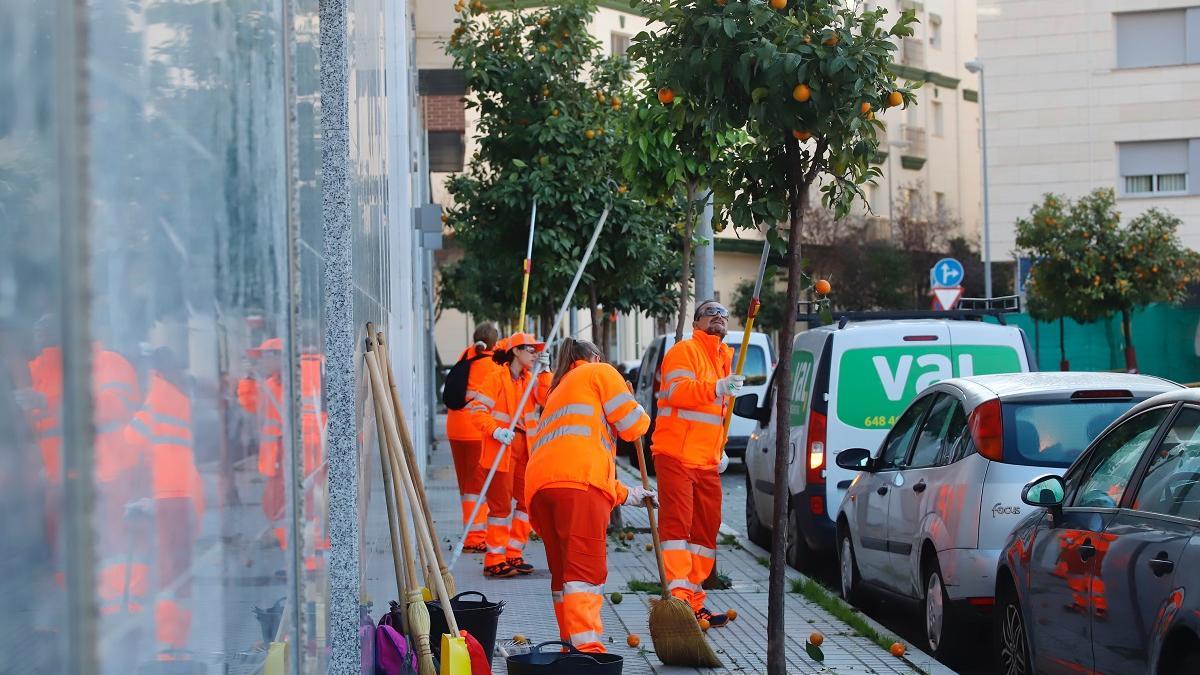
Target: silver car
928	513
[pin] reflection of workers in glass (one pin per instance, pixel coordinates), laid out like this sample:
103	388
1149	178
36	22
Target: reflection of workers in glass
466	442
573	487
688	447
494	409
161	432
261	394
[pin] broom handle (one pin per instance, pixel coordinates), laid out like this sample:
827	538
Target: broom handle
662	568
410	455
395	519
751	313
423	539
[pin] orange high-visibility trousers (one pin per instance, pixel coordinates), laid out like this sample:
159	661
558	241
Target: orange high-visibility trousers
689	520
572	523
505	540
470	482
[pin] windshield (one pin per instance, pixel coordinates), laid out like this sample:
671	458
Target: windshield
1054	433
755	369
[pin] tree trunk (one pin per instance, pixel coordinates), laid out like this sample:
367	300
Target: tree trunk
1127	328
1063	364
798	201
685	273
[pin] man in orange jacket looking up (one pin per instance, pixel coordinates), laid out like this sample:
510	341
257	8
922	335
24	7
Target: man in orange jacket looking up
689	453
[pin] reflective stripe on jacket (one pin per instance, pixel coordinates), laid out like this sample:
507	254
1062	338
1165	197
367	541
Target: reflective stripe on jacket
689	425
162	431
574	445
495	405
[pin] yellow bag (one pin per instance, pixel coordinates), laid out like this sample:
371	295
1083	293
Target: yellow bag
455	659
277	661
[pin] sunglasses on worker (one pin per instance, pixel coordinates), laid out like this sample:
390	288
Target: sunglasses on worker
527	348
713	310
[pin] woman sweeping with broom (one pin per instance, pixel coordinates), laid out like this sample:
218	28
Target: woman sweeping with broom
572	487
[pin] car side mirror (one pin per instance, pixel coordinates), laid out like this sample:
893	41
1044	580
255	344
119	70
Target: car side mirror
746	406
1046	491
855	459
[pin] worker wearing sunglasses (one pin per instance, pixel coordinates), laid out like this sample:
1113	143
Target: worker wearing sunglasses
689	453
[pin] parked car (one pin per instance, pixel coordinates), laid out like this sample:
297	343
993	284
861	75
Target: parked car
1102	576
926	518
849	384
760	361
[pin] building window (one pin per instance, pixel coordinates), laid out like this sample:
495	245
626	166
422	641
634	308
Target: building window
1154	167
1163	38
935	31
938	121
620	44
939	202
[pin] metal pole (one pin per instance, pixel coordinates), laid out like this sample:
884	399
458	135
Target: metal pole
987	243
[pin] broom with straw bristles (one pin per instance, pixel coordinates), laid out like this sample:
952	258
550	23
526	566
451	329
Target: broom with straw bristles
410	456
676	634
417	613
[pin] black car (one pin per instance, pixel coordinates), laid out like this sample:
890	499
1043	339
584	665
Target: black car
1105	576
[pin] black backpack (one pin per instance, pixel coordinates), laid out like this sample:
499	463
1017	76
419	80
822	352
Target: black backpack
454	390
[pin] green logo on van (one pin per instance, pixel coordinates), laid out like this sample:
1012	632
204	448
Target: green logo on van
876	384
803	371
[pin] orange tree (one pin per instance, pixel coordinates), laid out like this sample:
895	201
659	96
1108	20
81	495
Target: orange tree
1088	266
802	79
552	121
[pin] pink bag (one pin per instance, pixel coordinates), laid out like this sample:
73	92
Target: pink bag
392	653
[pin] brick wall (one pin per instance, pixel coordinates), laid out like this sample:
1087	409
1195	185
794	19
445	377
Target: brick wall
444	113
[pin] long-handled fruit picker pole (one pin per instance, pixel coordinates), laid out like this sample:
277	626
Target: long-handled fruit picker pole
562	310
527	267
751	312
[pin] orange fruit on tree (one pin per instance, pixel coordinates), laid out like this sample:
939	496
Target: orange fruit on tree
589	134
895	98
445	218
864	108
822	286
801	135
600	132
545	91
541	49
616	101
832	40
778	4
801	92
720	3
816	639
665	95
496	33
897	649
621	189
554	113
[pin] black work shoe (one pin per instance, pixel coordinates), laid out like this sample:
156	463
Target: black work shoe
500	570
714	620
520	565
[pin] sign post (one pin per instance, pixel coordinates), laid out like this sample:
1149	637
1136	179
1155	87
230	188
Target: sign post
945	281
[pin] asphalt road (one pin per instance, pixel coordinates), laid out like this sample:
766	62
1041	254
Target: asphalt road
901	618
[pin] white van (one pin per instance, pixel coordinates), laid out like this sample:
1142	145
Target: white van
760	363
849	383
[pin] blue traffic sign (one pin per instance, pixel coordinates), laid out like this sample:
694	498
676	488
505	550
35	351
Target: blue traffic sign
946	273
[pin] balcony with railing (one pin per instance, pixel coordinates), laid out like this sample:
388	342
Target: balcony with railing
915	152
912	52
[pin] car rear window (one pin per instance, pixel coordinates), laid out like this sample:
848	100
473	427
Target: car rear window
1053	433
755	368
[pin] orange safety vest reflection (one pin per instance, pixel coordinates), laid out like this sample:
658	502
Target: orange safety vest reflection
45	376
690	421
162	432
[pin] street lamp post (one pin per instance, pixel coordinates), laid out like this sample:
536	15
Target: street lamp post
893	146
975	66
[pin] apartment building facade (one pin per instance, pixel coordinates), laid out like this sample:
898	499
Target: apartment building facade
1091	94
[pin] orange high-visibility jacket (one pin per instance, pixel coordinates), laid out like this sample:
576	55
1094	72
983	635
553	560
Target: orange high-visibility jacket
312	415
162	431
459	423
116	397
46	377
574	446
495	406
690	422
269	402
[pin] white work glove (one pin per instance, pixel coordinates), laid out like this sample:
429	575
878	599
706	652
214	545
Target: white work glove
638	494
730	386
505	436
724	463
544	360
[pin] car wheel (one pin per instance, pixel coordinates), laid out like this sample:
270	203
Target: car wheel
799	556
1012	641
847	567
938	619
758	533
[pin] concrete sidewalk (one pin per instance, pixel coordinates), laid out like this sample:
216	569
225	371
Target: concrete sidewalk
741	645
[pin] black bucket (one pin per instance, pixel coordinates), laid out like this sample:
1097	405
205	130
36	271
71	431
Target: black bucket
538	662
480	618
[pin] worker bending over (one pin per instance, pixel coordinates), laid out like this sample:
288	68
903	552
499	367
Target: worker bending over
495	408
466	443
689	453
572	484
